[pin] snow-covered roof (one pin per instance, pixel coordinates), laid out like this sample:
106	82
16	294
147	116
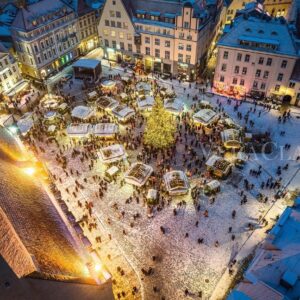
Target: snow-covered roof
277	261
214	184
105	129
176	182
205	116
108	83
255	32
231	137
146	103
138	174
174	105
107	102
49	115
143	86
78	130
112	170
92	94
123	112
112	153
25	123
87	63
82	112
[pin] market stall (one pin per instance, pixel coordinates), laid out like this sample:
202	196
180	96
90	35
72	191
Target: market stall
25	123
212	188
82	112
241	159
112	153
174	106
176	183
218	166
205	117
78	130
138	174
92	96
105	130
50	117
107	103
123	112
231	139
145	104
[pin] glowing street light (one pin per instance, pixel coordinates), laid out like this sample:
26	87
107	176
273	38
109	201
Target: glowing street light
29	171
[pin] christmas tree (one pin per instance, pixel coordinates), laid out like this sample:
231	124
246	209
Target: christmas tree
160	127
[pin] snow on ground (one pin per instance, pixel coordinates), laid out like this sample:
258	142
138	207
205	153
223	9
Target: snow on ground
182	262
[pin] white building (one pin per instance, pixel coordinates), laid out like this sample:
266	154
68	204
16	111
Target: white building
256	57
160	36
10	76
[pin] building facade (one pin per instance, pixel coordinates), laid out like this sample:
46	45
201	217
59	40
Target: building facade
160	36
10	75
48	35
278	8
256	57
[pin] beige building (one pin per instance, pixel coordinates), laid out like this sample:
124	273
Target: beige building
159	36
48	35
256	57
10	76
278	8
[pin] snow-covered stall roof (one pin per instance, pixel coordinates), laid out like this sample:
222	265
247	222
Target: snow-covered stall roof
205	116
92	95
214	184
212	160
78	130
231	138
176	183
108	84
25	123
242	156
50	115
143	86
123	112
112	153
174	105
138	174
107	103
82	112
146	103
105	129
87	63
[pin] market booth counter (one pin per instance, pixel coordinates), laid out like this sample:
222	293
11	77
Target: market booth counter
231	139
111	154
176	183
123	113
138	174
218	166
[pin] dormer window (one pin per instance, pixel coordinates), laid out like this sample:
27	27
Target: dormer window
274	33
248	30
261	32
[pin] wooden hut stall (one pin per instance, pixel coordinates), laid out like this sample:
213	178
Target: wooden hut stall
176	183
138	174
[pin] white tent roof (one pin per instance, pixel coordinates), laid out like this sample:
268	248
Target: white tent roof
112	170
92	94
51	128
242	156
174	105
143	86
214	184
105	129
205	116
50	115
123	111
112	153
108	83
138	174
82	112
78	130
148	102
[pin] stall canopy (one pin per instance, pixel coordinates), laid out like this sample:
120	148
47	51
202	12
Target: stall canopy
25	123
123	112
107	103
176	182
87	68
82	112
205	117
112	153
78	130
174	105
105	129
138	174
146	103
108	84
